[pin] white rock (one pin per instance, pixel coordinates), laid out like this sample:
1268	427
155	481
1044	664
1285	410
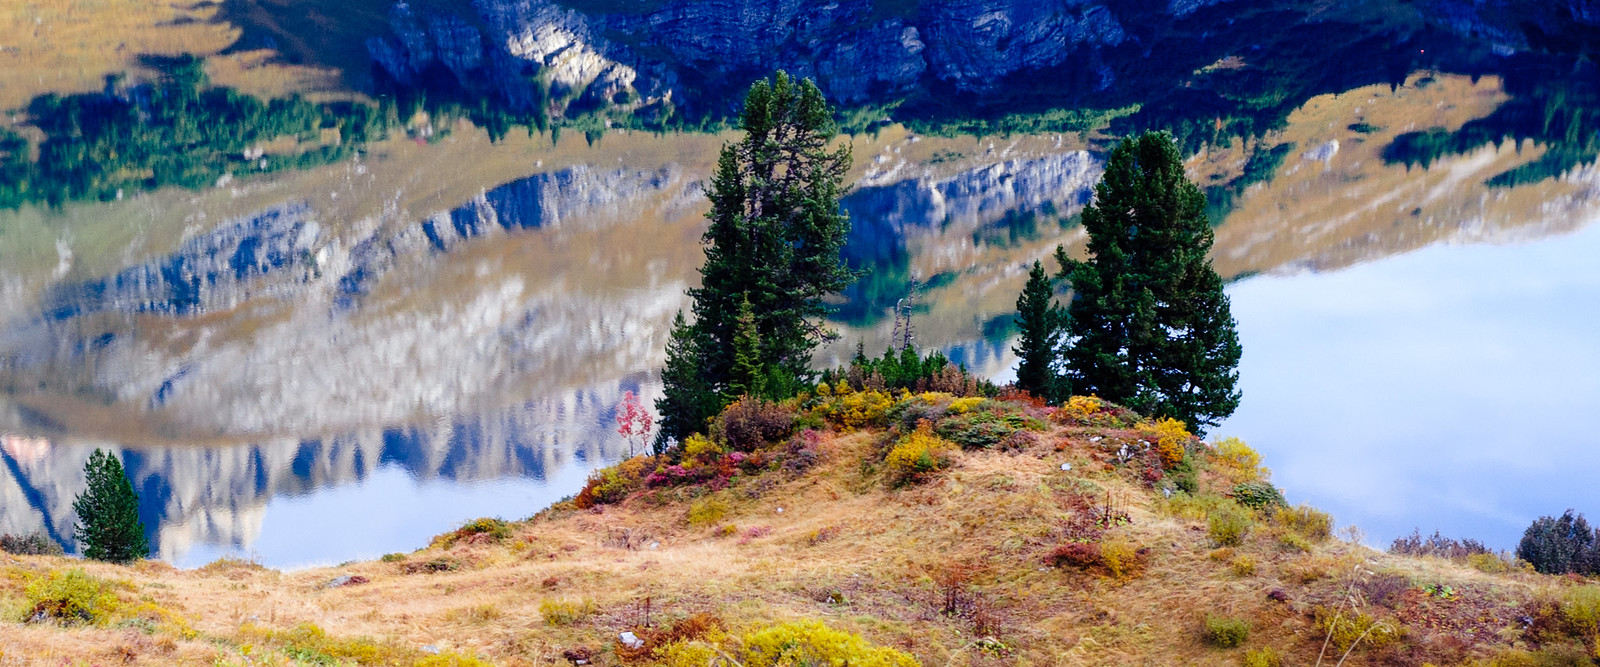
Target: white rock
630	640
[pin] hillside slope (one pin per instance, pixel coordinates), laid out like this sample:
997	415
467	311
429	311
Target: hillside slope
1058	536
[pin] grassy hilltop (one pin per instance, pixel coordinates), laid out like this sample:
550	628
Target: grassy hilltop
890	530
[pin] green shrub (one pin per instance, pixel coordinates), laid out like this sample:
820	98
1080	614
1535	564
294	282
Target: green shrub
393	558
1259	496
558	613
70	597
1306	521
1226	632
1229	524
1291	541
1262	657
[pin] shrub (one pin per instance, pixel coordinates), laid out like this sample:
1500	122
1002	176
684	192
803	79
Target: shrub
70	597
1243	565
1344	629
1092	411
490	529
393	558
451	659
857	409
1262	657
1436	545
1259	496
1571	614
707	511
1229	523
982	430
1242	463
558	613
610	485
1171	439
1292	541
1122	559
812	643
32	544
751	423
917	456
1490	563
1081	555
1560	545
1226	632
1183	505
1305	521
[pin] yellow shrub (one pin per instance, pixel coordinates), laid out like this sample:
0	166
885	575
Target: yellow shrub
699	450
1121	558
70	596
451	659
812	643
688	654
1078	409
1344	629
1241	462
965	405
1263	657
1243	565
861	409
1306	521
312	644
1491	563
557	613
707	511
917	455
1171	439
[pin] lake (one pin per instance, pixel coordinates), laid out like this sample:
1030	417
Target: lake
338	363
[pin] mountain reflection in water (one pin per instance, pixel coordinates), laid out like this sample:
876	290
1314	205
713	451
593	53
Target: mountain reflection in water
311	380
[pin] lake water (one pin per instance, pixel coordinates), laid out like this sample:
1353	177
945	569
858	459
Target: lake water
343	362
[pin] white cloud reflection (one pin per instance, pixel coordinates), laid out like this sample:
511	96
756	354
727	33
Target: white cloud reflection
1454	388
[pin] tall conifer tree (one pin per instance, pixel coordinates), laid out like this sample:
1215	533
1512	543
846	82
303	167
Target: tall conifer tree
1040	322
1149	325
108	513
774	240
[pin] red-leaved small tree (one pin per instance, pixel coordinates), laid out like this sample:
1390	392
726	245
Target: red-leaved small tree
634	422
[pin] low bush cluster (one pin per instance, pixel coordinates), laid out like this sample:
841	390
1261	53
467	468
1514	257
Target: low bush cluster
798	643
1239	461
307	643
1566	615
1259	496
750	424
1226	632
1092	411
69	597
1171	439
1436	545
1344	629
1306	522
983	429
32	544
852	409
559	613
917	456
474	531
1228	523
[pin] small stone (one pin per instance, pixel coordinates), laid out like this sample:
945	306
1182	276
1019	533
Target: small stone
1096	439
430	649
780	510
653	545
630	640
1066	467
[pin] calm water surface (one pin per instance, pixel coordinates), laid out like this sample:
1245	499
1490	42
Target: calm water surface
339	364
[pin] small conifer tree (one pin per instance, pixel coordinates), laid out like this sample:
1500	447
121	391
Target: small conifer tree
108	513
1040	322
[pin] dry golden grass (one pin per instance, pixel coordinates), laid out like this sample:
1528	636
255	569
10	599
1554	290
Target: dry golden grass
835	543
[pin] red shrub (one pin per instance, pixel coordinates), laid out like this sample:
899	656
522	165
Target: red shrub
1081	555
751	423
